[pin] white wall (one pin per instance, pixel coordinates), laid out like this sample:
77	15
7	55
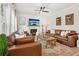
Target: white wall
43	17
50	18
73	9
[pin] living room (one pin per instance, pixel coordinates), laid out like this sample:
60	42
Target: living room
39	29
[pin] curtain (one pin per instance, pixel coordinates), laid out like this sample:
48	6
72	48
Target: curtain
9	19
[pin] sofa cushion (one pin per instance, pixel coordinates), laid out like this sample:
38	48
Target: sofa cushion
63	33
11	40
25	40
58	32
53	31
19	36
73	32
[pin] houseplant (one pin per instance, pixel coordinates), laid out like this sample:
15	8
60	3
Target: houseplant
3	45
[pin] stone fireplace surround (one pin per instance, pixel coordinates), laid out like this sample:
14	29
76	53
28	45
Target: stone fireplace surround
33	29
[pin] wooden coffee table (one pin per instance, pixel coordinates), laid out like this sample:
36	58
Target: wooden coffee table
50	42
47	41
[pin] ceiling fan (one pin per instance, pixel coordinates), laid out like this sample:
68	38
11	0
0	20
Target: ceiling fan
42	9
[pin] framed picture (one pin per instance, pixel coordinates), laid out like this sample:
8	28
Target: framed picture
58	21
69	19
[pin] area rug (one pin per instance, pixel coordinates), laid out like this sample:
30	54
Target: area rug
60	50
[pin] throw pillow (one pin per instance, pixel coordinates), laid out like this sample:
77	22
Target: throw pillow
62	33
19	36
53	31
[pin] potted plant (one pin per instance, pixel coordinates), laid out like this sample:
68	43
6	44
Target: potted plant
3	45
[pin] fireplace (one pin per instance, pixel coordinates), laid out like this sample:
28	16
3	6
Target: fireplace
33	31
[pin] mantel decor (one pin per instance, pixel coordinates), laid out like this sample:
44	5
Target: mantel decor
69	19
58	21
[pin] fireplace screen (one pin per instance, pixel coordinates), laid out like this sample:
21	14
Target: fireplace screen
33	31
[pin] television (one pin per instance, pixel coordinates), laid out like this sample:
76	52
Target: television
34	22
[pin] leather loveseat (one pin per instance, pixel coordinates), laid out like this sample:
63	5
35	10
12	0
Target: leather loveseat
23	46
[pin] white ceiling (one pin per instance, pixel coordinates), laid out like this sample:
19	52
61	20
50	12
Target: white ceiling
29	8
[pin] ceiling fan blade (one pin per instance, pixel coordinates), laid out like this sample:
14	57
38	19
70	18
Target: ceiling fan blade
43	7
45	11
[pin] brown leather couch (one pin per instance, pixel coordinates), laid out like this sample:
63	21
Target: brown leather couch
23	46
12	40
70	39
30	49
28	39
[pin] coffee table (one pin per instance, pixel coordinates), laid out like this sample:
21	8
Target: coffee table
47	41
50	42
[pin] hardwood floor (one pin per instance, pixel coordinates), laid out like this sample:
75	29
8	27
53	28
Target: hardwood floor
60	50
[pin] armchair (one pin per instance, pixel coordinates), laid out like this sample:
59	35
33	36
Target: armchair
31	49
24	46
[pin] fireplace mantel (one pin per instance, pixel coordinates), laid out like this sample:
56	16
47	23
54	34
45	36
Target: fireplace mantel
33	27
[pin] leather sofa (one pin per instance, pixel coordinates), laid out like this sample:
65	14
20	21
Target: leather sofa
28	39
66	37
30	49
70	39
23	46
12	40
